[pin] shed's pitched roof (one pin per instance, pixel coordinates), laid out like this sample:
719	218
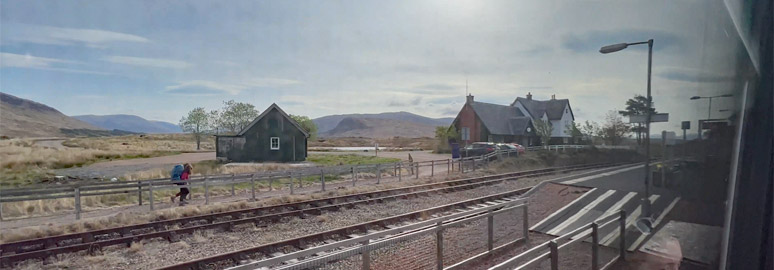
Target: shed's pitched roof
265	112
501	119
553	108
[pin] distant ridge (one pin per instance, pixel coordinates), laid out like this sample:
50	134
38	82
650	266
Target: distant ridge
130	123
327	123
26	118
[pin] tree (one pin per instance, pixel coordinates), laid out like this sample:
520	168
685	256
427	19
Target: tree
196	122
215	121
614	129
543	128
443	136
638	106
307	124
235	116
573	130
589	130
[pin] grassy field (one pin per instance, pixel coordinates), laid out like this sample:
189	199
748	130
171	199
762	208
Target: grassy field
23	161
332	160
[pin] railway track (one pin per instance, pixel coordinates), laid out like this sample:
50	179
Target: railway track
93	241
280	248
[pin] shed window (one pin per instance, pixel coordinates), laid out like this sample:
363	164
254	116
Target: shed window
274	143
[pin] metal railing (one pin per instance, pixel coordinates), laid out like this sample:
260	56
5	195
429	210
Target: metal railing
556	147
364	245
577	235
293	178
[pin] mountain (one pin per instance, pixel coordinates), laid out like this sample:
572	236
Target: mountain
131	123
25	118
329	122
379	128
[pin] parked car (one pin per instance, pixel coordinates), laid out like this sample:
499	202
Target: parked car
520	147
508	147
478	148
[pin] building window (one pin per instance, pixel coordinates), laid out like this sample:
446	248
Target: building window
274	143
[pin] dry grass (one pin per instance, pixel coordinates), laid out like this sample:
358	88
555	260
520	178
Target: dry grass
136	247
322	218
201	236
24	162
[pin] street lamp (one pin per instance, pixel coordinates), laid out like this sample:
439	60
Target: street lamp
647	225
709	109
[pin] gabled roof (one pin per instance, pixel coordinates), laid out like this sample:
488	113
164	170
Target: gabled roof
265	112
501	119
553	108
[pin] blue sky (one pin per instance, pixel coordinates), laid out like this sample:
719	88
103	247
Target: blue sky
160	59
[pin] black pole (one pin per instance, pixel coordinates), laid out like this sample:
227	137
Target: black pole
646	200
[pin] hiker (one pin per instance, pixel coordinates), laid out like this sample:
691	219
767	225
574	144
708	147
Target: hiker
181	175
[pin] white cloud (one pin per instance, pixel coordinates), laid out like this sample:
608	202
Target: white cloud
27	61
147	62
68	36
205	87
12	60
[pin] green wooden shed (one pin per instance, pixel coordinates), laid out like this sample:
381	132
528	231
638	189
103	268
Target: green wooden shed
272	136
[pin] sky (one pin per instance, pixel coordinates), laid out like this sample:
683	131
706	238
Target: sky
160	59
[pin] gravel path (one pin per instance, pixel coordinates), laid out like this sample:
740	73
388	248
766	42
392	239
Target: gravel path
156	253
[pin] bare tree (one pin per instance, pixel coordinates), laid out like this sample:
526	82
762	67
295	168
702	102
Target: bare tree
614	130
196	122
543	128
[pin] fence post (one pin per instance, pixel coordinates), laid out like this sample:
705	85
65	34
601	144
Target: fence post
354	177
290	173
400	171
439	245
322	179
554	255
150	191
366	255
271	181
233	179
77	203
432	168
252	185
416	164
206	191
594	246
449	167
139	192
490	230
378	174
622	244
525	221
474	164
462	169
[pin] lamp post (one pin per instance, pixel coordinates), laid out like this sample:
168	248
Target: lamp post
709	109
646	200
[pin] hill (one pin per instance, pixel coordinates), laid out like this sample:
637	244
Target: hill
379	128
130	123
25	118
327	123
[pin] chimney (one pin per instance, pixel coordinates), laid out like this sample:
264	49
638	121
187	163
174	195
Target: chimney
469	99
553	97
529	95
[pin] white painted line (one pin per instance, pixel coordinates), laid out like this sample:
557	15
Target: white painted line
655	223
574	181
615	207
561	209
630	219
580	213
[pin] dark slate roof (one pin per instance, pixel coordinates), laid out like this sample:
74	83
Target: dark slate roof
501	119
265	112
554	108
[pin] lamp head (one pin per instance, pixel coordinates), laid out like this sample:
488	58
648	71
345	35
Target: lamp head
727	95
695	97
613	48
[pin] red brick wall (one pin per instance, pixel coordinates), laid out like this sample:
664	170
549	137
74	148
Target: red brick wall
467	118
